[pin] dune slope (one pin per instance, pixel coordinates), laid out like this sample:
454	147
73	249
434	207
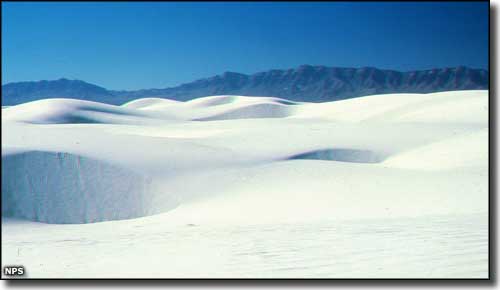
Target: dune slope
176	178
104	157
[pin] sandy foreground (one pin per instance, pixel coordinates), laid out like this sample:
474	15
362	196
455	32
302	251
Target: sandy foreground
385	186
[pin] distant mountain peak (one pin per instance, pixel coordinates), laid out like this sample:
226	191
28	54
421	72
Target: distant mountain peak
21	92
314	83
231	73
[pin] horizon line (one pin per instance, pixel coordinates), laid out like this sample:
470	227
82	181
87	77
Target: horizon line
246	74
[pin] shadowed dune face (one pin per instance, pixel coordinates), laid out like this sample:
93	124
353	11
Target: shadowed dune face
213	101
342	155
224	100
252	111
148	102
66	188
68	111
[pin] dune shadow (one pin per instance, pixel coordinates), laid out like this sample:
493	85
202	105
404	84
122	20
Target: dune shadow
341	155
64	188
255	111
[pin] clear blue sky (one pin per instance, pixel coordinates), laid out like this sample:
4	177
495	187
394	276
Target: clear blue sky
133	45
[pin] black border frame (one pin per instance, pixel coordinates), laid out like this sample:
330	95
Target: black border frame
385	282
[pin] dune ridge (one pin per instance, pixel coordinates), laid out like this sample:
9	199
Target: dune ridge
194	160
248	187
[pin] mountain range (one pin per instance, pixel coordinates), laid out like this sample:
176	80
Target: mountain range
305	83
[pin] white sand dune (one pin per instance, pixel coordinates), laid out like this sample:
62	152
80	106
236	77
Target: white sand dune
63	188
231	163
150	103
219	107
69	111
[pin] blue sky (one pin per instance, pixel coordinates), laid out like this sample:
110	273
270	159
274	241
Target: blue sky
133	45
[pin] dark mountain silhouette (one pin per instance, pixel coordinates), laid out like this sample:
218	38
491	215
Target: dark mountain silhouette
305	83
21	92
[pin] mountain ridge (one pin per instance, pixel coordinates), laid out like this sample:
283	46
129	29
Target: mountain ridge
304	83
